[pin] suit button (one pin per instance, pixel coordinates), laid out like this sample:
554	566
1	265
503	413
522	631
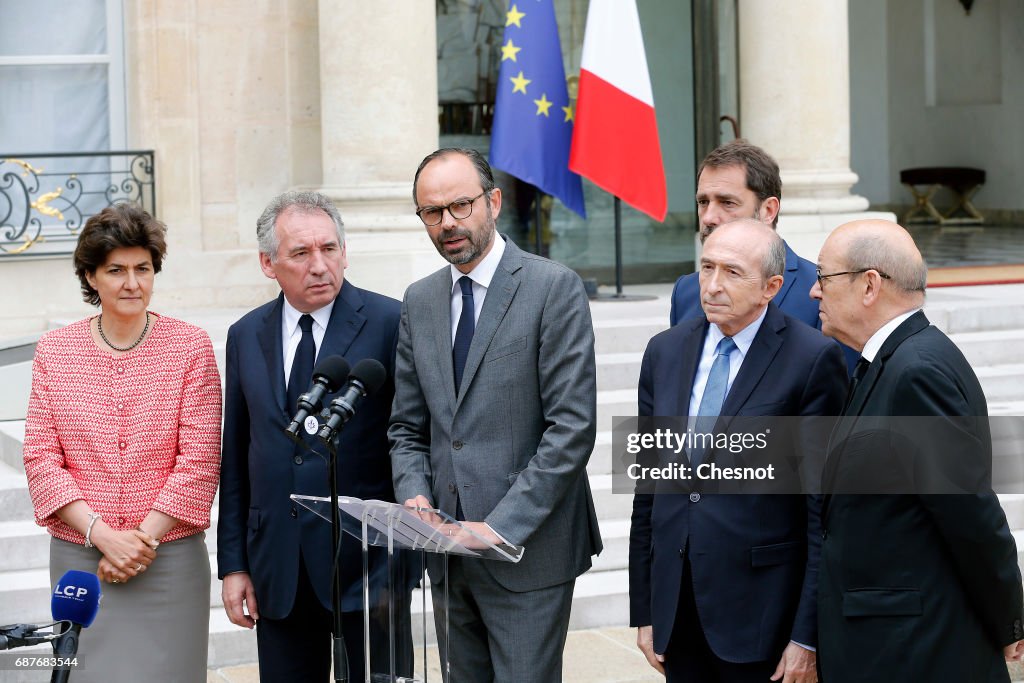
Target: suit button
295	512
457	445
694	497
682	553
298	459
451	488
824	534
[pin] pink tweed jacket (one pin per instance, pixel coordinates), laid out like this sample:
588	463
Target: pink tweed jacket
126	434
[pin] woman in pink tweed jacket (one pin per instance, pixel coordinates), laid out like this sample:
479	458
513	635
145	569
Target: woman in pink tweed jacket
122	454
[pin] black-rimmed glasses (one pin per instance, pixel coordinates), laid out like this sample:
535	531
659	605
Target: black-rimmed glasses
821	278
459	209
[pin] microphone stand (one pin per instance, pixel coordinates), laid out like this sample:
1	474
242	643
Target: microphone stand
340	654
65	646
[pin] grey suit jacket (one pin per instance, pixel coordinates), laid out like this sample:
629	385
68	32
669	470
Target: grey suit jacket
515	441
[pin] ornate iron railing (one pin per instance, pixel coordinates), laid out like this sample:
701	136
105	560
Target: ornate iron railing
45	199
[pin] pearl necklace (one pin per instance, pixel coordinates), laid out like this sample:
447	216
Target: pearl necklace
99	325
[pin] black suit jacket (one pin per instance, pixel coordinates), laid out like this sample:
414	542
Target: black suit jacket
260	530
754	558
915	587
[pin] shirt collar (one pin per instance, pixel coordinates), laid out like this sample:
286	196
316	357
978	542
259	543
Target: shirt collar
291	315
874	344
484	271
743	339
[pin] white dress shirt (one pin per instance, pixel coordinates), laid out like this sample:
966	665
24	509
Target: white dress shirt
874	344
481	277
743	339
291	333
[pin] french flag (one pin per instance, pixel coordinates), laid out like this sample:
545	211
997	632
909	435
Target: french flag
615	139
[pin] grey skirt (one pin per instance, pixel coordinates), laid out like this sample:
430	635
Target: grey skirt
155	627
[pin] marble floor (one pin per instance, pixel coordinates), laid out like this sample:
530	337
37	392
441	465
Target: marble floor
973	245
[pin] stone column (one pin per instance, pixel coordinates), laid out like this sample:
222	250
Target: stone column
795	103
378	95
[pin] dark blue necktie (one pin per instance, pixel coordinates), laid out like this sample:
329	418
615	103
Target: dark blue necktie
714	395
464	332
302	363
858	374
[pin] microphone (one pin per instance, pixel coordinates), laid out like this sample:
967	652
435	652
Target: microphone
367	377
23	635
76	599
328	375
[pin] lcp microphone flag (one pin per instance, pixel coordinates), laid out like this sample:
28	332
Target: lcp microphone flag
533	117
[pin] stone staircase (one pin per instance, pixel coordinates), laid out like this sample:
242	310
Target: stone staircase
980	320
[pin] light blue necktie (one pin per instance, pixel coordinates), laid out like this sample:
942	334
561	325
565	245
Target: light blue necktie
714	395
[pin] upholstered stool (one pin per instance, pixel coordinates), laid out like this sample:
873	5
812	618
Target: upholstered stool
963	182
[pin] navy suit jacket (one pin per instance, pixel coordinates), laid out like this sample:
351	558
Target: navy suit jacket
260	530
754	558
915	587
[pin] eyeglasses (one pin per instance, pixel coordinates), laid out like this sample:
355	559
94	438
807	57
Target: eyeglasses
459	209
822	278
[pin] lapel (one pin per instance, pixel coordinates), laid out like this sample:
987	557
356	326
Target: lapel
499	297
759	356
438	315
693	343
345	323
846	423
907	329
792	265
269	335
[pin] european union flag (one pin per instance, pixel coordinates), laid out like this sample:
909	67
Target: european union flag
532	129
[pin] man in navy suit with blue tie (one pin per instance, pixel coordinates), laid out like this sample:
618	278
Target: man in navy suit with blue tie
274	556
740	180
723	587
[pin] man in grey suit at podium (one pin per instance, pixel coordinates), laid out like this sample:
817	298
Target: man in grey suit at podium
493	423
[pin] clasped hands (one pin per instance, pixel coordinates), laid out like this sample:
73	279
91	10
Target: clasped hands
126	554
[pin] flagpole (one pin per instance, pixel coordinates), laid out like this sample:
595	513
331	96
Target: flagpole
537	238
618	247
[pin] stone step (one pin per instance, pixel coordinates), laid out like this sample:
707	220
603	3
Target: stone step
1002	382
601	458
1011	407
1013	506
975	309
990	348
618	370
615	556
15	503
25	545
610	506
12	435
615	403
628	335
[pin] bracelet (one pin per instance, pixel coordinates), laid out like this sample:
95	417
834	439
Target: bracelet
88	530
156	541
